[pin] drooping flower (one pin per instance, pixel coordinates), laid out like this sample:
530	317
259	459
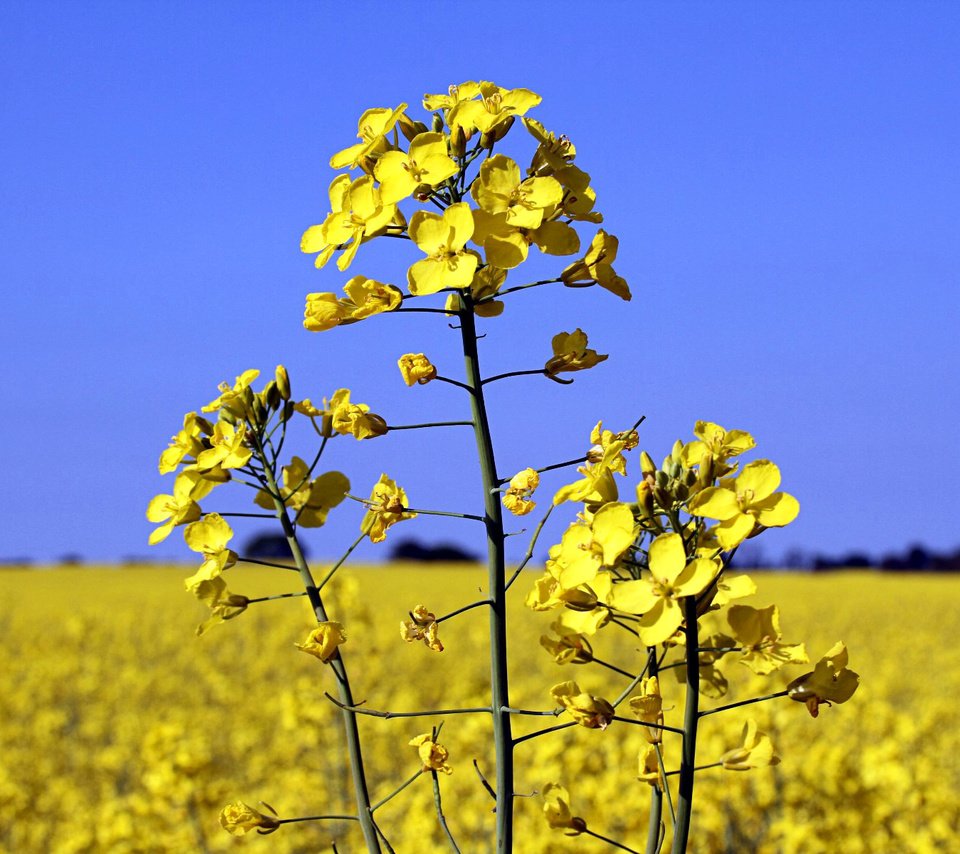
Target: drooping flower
423	626
518	496
657	598
744	503
239	818
434	756
757	631
386	507
649	762
830	682
372	129
648	707
324	640
312	500
416	368
570	353
556	810
586	709
442	239
223	604
597	267
366	297
569	647
354	419
755	752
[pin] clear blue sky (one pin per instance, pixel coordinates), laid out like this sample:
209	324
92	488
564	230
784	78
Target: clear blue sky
784	179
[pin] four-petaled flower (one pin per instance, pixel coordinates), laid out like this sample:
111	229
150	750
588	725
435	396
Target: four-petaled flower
517	498
416	368
427	163
442	239
433	755
422	625
597	266
239	818
323	641
570	353
386	506
755	752
830	682
556	810
586	709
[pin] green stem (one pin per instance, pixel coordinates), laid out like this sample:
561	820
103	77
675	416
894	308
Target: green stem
691	716
609	841
744	703
432	424
395	792
340	562
655	822
440	816
350	726
496	573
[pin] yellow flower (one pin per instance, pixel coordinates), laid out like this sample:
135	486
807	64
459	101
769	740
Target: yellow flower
415	368
744	503
597	485
597	267
387	506
311	499
657	598
228	448
366	297
500	190
649	766
209	536
756	751
426	164
556	810
187	443
354	418
496	105
179	508
433	756
239	818
223	604
442	238
586	548
517	498
714	440
233	398
648	707
571	647
323	311
587	710
422	625
372	129
324	640
357	214
570	353
464	92
830	682
758	634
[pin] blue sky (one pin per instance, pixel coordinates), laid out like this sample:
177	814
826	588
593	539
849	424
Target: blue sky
784	179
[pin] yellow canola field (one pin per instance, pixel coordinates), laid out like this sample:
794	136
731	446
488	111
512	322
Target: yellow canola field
122	732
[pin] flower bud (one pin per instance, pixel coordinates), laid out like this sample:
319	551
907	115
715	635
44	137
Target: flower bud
270	396
437	123
283	382
458	142
647	466
496	133
410	128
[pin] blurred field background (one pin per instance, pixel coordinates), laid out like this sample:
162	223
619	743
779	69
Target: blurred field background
121	731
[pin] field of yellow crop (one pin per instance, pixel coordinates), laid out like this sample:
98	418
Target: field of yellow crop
123	732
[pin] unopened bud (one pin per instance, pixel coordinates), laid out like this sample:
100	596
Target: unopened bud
409	128
458	142
496	133
437	123
270	395
595	454
283	382
647	465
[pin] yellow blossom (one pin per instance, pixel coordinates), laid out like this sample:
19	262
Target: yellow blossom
228	448
223	604
433	756
323	311
830	682
744	503
649	766
366	297
386	507
415	368
757	631
755	752
232	398
324	640
556	810
570	647
586	709
422	625
187	443
499	189
597	267
442	238
354	418
239	818
495	106
426	164
570	353
179	508
648	707
357	214
658	598
517	498
372	129
311	499
720	444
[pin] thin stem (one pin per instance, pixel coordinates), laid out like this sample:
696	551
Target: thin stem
612	667
541	371
377	713
267	563
470	516
340	562
395	792
562	465
457	383
537	713
351	729
465	608
698	768
666	788
744	703
648	724
277	596
520	288
691	716
655	822
433	424
530	548
543	731
249	515
609	841
440	816
318	818
496	577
